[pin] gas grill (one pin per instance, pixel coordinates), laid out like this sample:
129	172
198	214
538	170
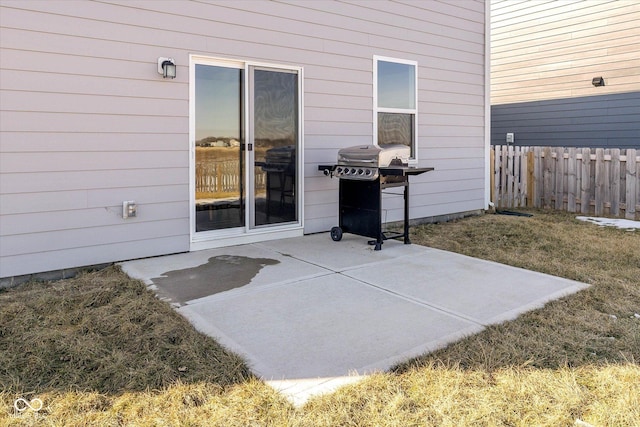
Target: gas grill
364	172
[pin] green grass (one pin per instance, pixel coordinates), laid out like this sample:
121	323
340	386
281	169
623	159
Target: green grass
100	349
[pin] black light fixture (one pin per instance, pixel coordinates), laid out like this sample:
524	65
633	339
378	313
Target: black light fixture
597	81
167	67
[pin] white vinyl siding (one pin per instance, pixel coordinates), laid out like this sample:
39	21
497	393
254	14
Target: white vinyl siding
86	122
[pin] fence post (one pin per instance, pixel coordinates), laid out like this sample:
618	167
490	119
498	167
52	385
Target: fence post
531	182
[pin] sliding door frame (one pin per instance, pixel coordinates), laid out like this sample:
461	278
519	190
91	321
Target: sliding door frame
248	233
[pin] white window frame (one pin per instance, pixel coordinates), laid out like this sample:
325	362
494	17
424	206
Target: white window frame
377	109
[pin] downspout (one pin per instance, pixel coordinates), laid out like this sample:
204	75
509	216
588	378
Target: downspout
487	104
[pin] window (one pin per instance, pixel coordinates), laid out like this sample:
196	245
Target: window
395	102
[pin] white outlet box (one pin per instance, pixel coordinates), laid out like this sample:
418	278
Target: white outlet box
129	209
510	138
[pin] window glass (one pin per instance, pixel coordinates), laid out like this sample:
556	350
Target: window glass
396	85
395	129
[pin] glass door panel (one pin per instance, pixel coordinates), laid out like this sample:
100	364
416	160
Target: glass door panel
219	189
274	138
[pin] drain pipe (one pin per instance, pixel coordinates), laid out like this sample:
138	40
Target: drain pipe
502	212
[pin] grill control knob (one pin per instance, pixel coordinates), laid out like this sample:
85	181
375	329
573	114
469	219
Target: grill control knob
353	171
360	171
368	172
339	170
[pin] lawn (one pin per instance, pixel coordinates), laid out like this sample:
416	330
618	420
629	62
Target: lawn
100	349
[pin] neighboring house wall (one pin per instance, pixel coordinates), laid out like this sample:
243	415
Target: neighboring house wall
86	122
544	56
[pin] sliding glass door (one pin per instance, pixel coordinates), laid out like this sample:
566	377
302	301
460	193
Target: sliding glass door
245	115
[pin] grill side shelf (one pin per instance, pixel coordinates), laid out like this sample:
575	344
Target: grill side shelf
404	170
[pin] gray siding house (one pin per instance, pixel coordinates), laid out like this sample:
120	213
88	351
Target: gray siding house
106	156
544	58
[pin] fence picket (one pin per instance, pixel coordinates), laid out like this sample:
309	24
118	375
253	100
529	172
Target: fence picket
607	182
637	182
547	177
559	178
615	182
510	172
503	176
522	200
531	182
632	182
585	190
496	176
538	177
599	182
571	179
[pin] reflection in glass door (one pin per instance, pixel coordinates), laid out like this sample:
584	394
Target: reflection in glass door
219	189
273	135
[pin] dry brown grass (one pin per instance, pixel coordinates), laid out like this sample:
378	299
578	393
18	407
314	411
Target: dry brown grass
595	326
430	396
100	350
103	332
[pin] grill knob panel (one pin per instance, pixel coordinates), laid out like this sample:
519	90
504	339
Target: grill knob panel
363	173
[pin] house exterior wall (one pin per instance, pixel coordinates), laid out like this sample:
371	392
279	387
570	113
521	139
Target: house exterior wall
543	58
87	123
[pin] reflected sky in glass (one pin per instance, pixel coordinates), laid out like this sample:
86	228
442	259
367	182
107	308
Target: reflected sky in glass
218	98
396	85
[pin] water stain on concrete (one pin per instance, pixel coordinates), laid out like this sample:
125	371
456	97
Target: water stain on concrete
219	274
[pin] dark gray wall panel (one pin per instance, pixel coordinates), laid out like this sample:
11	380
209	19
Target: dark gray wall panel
608	121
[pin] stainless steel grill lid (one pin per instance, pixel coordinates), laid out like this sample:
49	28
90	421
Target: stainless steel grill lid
363	161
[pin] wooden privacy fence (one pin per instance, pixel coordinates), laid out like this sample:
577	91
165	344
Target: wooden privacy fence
593	181
223	177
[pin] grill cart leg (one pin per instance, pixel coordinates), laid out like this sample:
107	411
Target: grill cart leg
406	214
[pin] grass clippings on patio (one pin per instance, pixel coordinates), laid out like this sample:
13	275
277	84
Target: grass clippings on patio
102	350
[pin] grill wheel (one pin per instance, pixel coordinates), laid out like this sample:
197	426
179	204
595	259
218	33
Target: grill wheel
336	234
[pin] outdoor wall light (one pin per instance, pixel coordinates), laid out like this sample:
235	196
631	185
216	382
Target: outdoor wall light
597	81
167	67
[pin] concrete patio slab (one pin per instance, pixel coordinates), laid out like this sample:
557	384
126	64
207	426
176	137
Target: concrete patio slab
323	327
310	314
480	291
